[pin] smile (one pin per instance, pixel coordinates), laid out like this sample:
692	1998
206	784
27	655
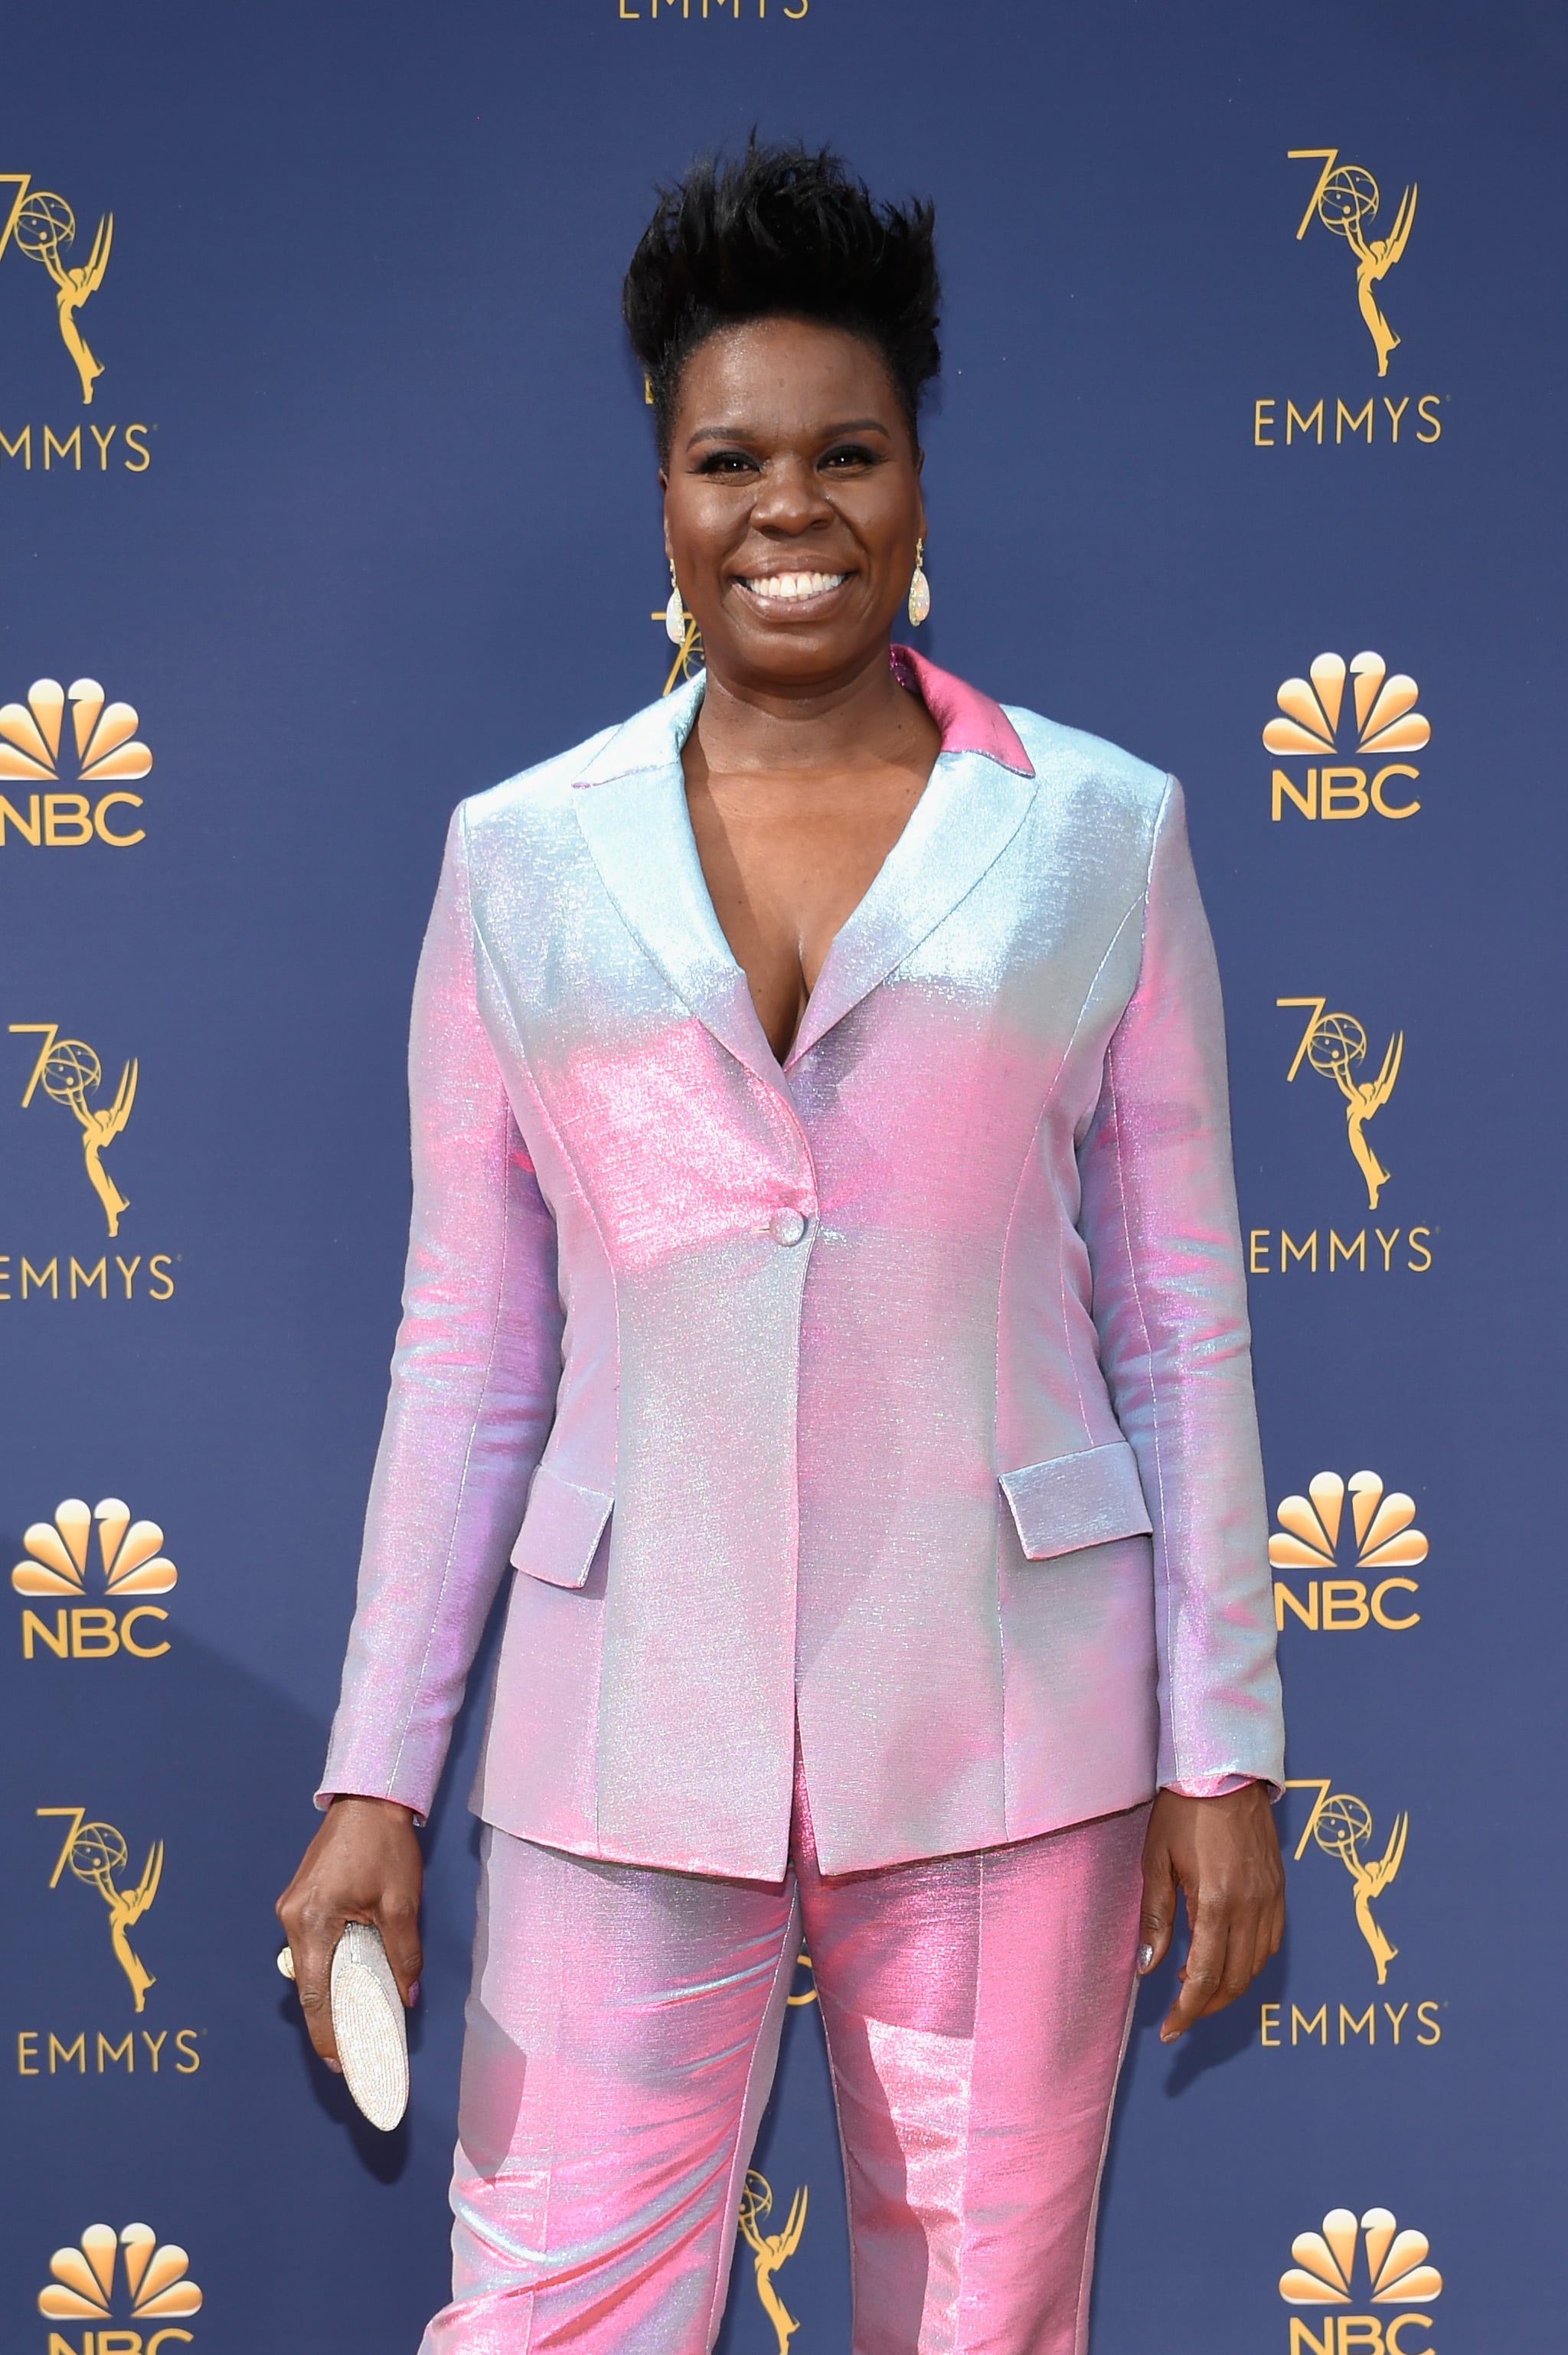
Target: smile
790	588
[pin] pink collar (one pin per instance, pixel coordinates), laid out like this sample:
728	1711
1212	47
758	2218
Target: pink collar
970	721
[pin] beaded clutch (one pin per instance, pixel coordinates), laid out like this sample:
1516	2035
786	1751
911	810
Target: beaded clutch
368	2023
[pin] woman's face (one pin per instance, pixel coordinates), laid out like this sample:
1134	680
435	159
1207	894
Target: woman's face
792	503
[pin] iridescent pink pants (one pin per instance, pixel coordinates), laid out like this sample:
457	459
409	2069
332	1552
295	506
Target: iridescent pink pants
623	2030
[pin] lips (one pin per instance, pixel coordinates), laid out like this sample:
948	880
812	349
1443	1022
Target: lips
792	587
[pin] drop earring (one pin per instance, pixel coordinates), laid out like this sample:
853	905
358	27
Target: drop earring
674	612
919	588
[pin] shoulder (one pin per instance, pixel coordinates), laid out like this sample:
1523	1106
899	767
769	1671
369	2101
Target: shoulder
1071	762
540	798
538	791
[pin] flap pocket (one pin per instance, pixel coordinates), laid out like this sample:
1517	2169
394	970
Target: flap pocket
562	1529
1077	1501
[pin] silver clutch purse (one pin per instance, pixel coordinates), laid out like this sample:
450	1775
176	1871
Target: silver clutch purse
368	2022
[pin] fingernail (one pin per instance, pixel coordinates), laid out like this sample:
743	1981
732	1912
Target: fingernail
414	1993
1146	1958
335	2067
1168	2035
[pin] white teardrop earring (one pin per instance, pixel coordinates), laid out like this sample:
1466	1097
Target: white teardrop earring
674	612
919	588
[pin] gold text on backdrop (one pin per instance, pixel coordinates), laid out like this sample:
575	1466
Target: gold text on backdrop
56	1564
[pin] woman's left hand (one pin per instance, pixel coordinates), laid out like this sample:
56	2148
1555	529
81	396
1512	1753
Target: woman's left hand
1224	1855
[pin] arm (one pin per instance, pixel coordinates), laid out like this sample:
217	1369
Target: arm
1160	1219
475	1374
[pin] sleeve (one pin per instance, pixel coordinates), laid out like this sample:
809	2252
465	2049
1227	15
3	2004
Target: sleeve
474	1376
1169	1295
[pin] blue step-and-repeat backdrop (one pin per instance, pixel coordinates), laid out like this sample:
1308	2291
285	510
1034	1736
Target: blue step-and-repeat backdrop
326	497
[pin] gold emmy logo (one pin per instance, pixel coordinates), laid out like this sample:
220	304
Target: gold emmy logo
1346	200
770	2250
95	1853
70	1072
42	226
131	1551
157	2288
1339	1823
1334	1044
688	652
106	750
1326	2275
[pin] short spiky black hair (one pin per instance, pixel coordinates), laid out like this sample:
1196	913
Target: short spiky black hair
782	231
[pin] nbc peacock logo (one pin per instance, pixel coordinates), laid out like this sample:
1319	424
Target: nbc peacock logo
1356	1563
1347	2263
57	1565
1315	721
79	779
113	2277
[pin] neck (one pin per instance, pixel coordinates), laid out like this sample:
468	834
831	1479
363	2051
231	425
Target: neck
854	720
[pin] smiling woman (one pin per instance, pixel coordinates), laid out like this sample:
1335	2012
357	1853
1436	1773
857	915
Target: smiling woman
825	1292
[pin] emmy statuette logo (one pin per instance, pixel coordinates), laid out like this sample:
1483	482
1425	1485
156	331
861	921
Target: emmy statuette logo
1347	201
1315	720
770	2250
58	1562
1348	2262
73	808
70	1072
1335	1045
95	1853
46	258
1345	205
42	226
110	2277
1377	1542
1339	1825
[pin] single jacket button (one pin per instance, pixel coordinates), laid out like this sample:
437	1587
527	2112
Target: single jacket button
786	1226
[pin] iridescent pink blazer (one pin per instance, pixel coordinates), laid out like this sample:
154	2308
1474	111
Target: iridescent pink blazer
901	1394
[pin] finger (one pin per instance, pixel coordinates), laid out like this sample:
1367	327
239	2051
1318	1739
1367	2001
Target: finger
398	1920
1236	1971
312	1941
1157	1917
1201	1973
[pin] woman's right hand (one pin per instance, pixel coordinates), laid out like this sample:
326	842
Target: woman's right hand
364	1865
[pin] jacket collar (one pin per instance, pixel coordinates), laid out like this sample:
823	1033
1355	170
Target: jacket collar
630	801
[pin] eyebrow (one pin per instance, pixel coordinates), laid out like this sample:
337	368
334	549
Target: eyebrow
743	433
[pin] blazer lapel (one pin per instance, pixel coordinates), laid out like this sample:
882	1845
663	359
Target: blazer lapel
970	811
631	805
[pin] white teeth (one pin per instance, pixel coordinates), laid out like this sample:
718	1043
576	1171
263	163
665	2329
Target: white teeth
795	584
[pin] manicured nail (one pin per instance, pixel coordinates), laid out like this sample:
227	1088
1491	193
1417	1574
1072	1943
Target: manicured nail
414	1994
1146	1959
335	2067
1168	2035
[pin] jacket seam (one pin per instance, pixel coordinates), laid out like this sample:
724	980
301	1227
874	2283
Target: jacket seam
1164	1600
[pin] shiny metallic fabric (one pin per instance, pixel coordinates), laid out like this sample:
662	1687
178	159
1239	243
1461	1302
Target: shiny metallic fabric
621	2032
907	1386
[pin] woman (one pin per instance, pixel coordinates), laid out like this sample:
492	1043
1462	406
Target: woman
825	1287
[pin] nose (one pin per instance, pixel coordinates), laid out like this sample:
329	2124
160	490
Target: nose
791	498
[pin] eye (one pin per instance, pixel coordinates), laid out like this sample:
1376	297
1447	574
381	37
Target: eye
727	462
843	455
